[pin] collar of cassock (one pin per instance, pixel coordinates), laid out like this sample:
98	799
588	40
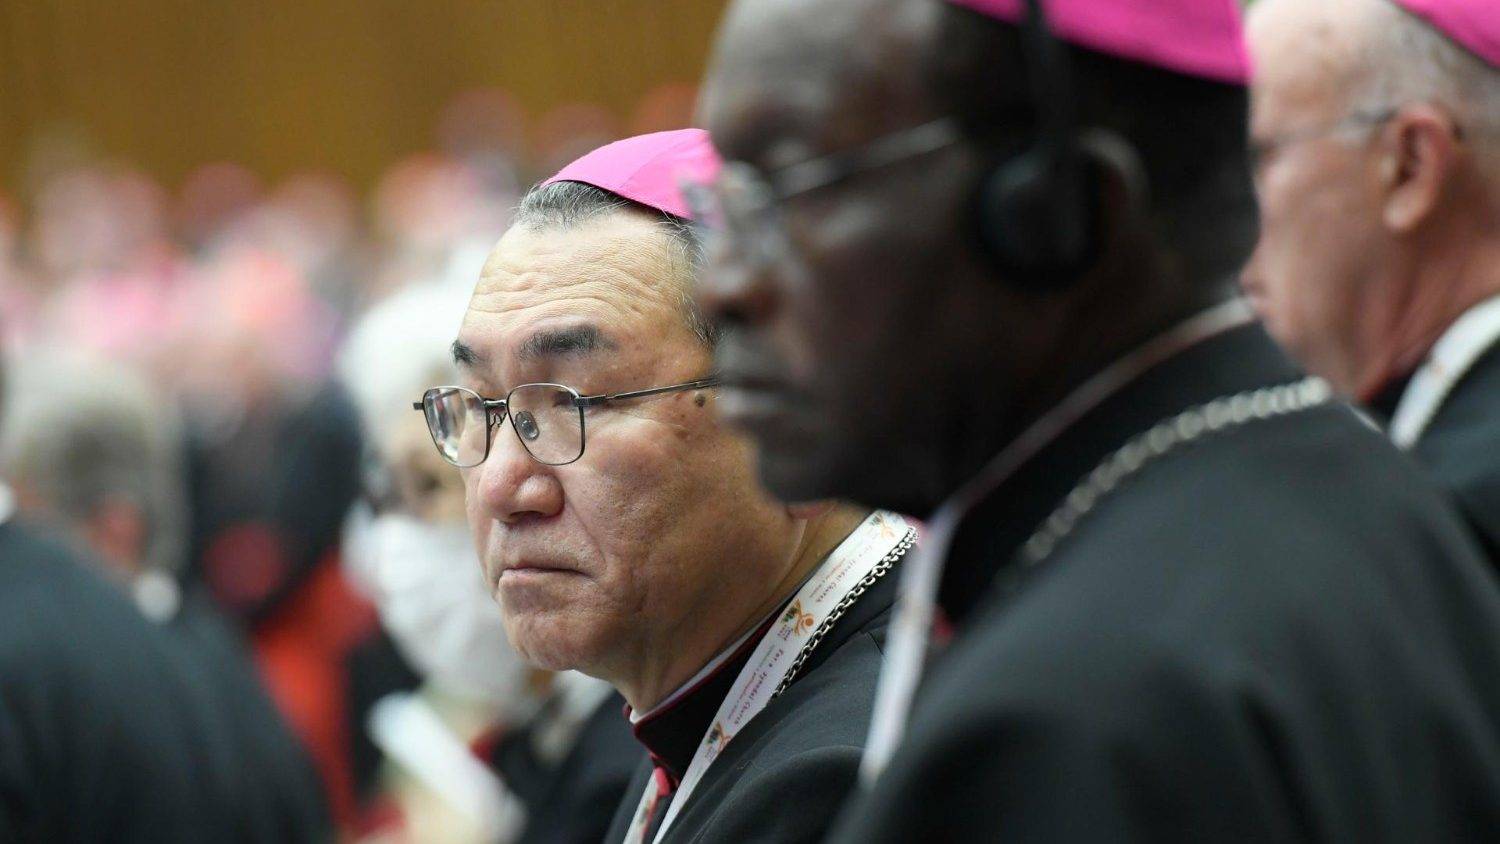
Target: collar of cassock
987	539
671	732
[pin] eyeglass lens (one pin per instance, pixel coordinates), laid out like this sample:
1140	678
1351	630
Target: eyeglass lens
546	419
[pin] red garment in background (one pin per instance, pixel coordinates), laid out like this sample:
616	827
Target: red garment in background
301	650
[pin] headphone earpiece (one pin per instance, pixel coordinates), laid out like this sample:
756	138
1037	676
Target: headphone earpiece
1039	213
1042	228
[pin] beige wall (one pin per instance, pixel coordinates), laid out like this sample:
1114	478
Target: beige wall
289	84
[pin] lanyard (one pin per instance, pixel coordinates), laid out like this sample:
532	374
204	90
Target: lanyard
780	652
1454	354
906	646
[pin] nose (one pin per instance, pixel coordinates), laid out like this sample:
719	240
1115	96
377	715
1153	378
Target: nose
735	291
511	486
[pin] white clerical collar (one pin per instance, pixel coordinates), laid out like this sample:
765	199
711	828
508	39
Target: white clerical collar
7	503
1451	358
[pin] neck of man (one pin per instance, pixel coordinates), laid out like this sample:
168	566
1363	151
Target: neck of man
710	634
1438	286
1117	314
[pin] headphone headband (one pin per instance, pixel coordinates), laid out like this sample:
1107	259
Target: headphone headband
1038	212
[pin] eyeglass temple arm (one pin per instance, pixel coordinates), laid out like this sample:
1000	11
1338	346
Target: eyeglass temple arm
590	401
489	404
806	176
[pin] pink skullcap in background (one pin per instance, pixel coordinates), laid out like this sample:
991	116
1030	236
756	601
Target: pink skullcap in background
1475	24
648	168
1202	38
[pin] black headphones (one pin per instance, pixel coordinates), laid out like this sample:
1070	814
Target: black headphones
1039	212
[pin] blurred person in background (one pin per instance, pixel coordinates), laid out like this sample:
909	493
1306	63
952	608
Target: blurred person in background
489	749
1376	134
978	260
112	727
211	199
93	451
620	526
273	465
570	130
428	209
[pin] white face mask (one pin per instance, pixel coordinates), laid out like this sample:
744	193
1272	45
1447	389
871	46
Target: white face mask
426	583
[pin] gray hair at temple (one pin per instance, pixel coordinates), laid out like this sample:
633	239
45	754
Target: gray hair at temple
83	436
1408	60
567	204
397	349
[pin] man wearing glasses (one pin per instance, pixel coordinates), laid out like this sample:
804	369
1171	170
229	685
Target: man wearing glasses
621	526
1378	164
991	245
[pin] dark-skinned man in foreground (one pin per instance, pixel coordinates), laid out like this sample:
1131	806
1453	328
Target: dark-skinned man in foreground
1192	597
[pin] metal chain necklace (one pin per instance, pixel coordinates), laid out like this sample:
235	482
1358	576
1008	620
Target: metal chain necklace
1144	449
859	589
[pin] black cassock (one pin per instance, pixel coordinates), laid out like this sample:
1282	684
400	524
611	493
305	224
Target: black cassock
1460	447
788	771
1278	632
115	729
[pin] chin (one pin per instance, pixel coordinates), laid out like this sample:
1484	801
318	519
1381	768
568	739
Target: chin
553	640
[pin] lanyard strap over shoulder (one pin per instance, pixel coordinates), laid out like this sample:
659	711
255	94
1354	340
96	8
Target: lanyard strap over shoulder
867	552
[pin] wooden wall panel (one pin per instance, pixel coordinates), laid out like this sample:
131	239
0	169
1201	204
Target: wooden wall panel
347	85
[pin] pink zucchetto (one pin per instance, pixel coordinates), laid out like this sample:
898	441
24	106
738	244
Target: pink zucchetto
1474	24
1202	38
648	168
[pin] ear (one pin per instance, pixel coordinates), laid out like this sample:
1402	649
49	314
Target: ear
1420	157
809	510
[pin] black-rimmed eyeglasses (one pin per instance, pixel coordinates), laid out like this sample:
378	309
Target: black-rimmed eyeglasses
547	419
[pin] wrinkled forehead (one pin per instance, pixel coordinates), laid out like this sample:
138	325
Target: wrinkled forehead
610	288
791	79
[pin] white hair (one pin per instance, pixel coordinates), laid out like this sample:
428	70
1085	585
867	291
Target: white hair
1411	61
402	346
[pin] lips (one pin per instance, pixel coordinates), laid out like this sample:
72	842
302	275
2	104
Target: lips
518	568
538	567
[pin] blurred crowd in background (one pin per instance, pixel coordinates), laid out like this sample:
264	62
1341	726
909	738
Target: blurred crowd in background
210	394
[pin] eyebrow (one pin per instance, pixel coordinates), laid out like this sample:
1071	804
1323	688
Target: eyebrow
576	340
465	356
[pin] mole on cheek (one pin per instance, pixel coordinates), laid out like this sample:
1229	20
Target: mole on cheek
700	400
